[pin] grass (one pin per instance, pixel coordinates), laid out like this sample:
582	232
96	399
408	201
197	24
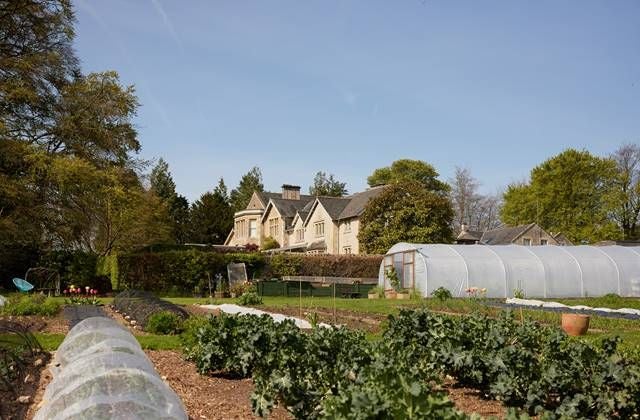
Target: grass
51	342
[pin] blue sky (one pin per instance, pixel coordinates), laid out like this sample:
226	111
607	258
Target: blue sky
345	87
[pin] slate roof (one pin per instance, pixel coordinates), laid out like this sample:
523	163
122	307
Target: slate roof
358	202
265	196
470	235
504	235
334	205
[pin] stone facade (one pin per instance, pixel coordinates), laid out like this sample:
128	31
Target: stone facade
301	223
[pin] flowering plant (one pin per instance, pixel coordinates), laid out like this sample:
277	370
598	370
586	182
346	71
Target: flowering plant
81	296
476	292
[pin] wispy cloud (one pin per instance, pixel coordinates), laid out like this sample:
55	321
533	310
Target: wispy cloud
167	22
141	81
350	98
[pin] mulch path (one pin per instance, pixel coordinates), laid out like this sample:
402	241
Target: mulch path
472	401
206	397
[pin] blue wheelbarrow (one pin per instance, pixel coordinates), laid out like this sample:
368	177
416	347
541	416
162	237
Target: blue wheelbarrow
22	285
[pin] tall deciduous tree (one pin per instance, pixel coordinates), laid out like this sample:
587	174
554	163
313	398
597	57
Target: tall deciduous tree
327	186
405	211
211	216
479	212
408	170
250	182
71	177
569	193
626	198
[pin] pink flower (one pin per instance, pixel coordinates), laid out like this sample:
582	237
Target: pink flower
65	291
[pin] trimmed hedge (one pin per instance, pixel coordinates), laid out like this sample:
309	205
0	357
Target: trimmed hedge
187	271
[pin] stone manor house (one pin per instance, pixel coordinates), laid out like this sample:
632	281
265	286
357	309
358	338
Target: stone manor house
302	223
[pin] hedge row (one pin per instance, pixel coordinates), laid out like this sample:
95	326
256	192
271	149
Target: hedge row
180	271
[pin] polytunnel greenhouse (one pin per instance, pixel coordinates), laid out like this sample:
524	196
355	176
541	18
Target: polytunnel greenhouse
100	372
538	271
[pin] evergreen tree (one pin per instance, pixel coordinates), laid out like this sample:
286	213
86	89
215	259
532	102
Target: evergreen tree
408	170
165	188
249	183
405	212
327	186
211	216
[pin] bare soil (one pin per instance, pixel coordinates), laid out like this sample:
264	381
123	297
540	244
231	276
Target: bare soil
29	387
354	320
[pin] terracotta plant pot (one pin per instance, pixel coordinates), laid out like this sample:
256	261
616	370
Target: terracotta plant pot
575	324
390	294
403	296
373	296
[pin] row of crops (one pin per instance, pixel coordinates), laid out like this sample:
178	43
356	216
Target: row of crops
100	372
338	373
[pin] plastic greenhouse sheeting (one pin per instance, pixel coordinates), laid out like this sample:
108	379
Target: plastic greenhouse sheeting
100	372
538	271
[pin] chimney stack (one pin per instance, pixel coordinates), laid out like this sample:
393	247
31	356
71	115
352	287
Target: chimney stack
290	192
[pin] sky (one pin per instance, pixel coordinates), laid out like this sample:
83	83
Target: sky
295	87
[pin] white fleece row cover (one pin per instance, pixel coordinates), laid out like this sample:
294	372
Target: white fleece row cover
543	304
230	308
100	372
538	271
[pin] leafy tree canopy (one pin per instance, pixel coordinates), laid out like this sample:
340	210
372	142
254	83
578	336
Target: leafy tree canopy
408	170
327	186
405	211
568	193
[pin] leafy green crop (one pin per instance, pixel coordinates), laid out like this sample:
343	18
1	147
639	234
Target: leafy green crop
525	365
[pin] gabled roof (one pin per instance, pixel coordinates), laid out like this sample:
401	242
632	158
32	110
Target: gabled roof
504	235
286	208
334	205
358	202
340	208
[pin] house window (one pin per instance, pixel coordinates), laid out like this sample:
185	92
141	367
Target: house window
253	228
319	227
346	250
526	241
300	235
274	227
543	242
347	226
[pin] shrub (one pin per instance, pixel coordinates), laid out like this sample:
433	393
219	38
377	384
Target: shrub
249	298
377	290
442	294
141	305
37	304
164	323
270	243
